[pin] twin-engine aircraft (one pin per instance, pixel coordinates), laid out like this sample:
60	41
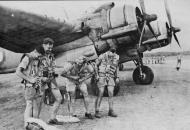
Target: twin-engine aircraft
127	28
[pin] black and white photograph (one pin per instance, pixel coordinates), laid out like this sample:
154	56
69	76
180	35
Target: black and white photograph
95	65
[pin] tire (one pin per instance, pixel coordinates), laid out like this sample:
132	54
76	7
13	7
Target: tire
148	73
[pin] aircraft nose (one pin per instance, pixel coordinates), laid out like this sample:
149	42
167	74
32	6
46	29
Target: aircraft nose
151	17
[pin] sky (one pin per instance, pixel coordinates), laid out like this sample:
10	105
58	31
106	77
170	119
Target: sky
70	10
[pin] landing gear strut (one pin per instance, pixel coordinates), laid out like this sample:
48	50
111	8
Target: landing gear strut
142	74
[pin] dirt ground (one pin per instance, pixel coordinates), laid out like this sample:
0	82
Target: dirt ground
163	105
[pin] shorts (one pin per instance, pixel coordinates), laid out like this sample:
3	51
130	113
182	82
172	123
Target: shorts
105	81
71	86
30	93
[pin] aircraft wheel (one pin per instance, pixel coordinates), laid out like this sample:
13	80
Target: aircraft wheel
121	66
147	78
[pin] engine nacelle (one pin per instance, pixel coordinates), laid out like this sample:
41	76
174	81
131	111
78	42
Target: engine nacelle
122	16
120	27
121	21
113	26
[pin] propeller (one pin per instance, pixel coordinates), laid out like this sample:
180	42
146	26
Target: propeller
141	2
146	21
172	30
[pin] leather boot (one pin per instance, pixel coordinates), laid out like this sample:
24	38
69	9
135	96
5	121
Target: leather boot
97	114
112	113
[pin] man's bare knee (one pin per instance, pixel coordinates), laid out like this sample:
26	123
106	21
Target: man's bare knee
57	95
85	94
59	98
110	91
84	90
100	91
29	103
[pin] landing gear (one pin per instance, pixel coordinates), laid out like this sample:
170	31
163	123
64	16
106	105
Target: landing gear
142	74
121	67
146	77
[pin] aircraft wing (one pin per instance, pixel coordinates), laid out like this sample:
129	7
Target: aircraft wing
21	32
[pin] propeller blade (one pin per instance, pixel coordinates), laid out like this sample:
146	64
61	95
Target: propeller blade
141	2
152	31
168	13
141	36
175	37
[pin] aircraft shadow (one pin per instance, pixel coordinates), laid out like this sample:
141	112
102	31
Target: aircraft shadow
127	69
129	87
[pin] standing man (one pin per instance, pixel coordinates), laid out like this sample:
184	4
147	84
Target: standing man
178	62
76	73
48	69
37	71
107	64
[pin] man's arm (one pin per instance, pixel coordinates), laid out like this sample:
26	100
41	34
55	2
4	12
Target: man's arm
22	66
90	72
97	64
58	66
70	76
117	62
67	69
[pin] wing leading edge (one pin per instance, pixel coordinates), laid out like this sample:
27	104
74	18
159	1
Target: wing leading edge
21	32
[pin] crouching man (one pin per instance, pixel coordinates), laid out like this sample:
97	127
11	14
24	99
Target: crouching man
76	73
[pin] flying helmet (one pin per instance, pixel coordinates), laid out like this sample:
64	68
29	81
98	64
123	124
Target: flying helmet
112	49
48	40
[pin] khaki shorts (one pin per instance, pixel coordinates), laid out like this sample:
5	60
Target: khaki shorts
105	81
71	86
30	93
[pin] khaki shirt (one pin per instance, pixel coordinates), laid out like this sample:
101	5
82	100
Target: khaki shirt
108	63
30	64
74	69
47	65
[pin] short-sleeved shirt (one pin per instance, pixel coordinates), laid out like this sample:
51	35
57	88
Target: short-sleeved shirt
30	64
47	64
74	69
108	63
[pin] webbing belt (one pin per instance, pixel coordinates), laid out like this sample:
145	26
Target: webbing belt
106	75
